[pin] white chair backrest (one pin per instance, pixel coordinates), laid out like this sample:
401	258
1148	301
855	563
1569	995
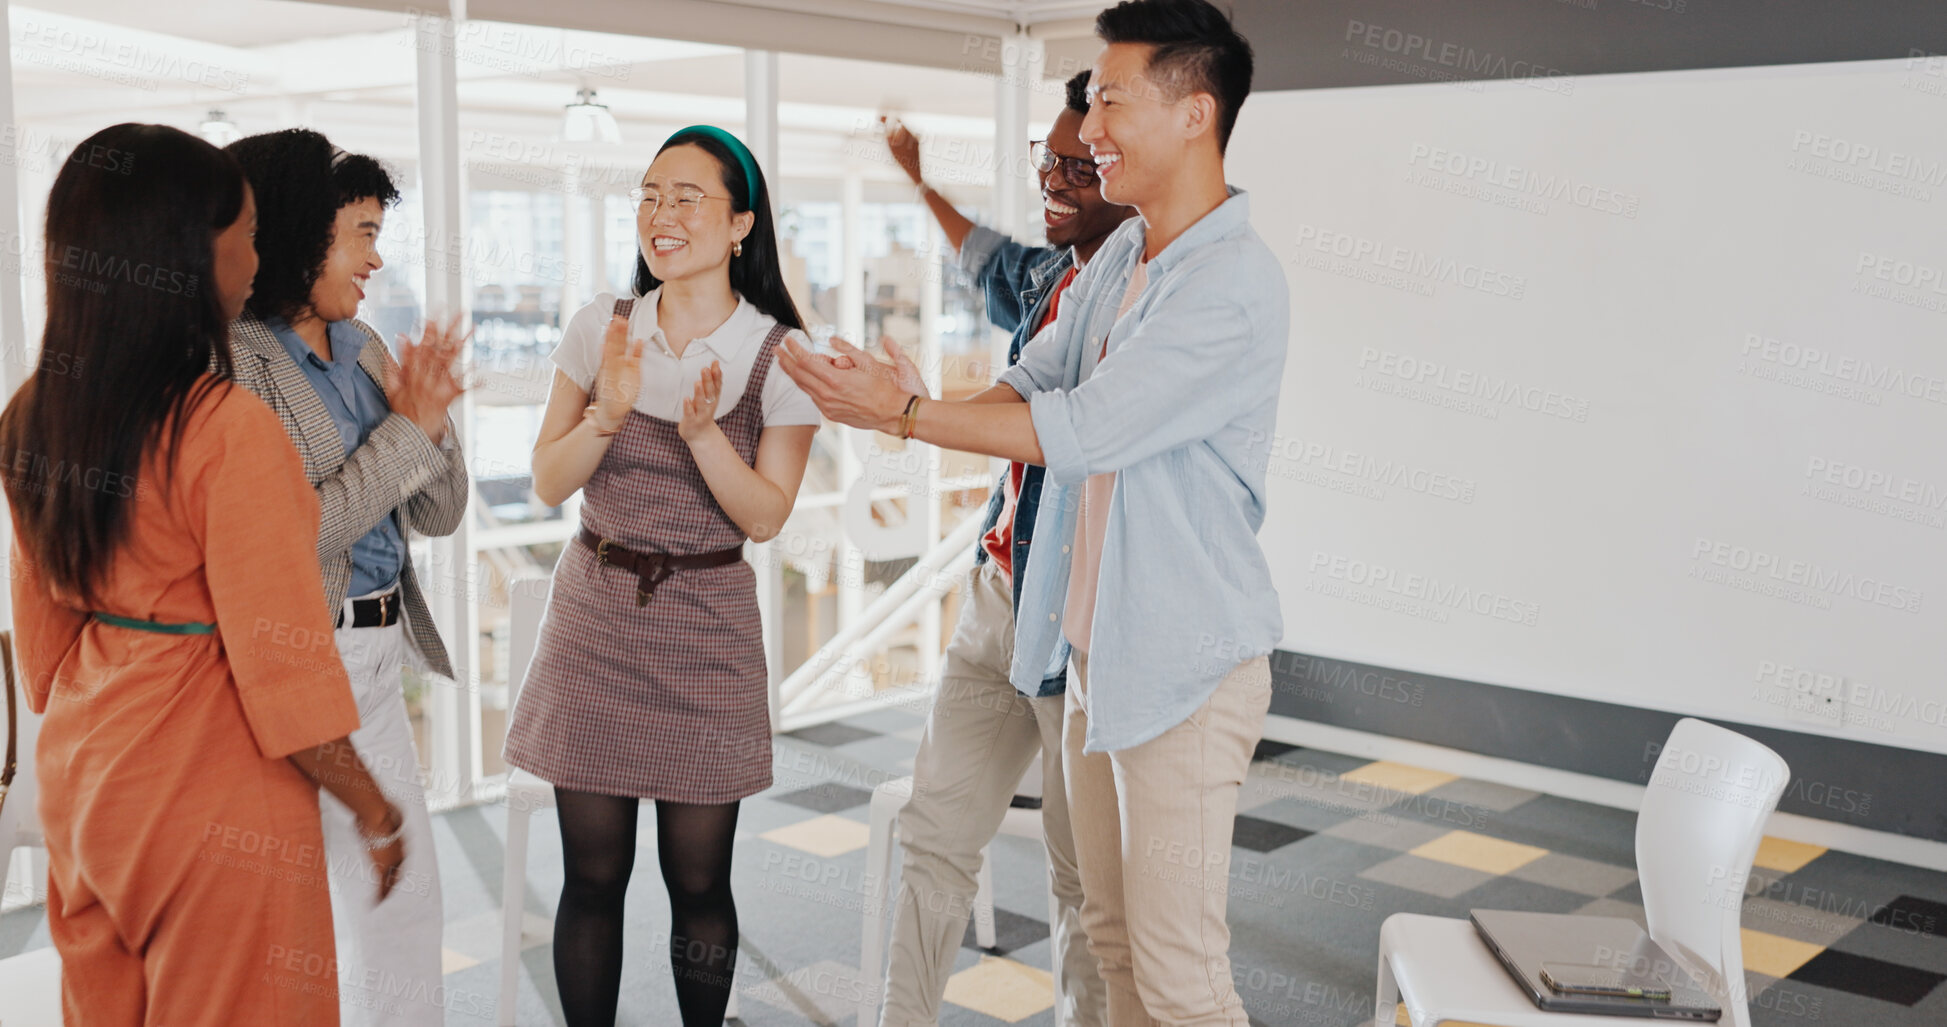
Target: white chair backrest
1696	838
527	599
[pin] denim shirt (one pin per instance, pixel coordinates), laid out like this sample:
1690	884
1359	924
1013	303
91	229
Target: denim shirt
357	406
1019	282
1183	411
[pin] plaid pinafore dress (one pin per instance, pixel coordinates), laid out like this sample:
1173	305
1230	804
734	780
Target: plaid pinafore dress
669	699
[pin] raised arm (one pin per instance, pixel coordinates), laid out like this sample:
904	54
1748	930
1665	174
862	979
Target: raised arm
905	152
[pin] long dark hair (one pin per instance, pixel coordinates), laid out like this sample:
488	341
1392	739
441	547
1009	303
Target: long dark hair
756	274
301	181
134	325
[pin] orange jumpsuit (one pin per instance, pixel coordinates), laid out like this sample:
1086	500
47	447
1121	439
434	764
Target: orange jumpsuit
186	877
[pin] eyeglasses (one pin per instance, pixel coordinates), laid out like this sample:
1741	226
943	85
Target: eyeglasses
1077	171
684	202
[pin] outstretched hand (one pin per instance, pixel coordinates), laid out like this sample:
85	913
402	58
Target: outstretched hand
904	372
851	388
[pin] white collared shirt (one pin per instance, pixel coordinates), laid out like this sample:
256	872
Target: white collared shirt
668	379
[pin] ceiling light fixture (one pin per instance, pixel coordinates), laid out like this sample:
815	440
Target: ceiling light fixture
589	122
218	130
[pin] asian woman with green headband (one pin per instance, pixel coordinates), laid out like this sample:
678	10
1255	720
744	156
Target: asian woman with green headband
648	681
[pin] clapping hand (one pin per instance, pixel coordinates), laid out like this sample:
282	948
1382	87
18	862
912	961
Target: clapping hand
424	384
700	410
854	388
619	379
905	373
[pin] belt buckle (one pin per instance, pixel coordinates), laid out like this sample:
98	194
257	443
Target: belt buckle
388	603
601	552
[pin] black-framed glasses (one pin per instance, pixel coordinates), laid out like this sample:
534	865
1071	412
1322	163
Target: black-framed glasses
1077	171
683	202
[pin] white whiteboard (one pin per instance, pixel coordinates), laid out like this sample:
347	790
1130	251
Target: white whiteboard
1631	388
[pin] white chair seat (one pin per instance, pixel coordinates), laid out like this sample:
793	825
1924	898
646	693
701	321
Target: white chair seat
1445	974
31	982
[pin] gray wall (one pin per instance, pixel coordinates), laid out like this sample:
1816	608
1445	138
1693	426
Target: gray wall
1312	44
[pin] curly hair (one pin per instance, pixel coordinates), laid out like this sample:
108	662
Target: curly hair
301	182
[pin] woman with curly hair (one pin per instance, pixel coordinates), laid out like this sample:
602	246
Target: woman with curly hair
378	449
165	621
648	679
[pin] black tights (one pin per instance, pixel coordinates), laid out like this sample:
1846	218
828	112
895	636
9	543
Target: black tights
598	853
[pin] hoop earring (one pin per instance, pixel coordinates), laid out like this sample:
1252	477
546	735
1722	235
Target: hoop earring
737	248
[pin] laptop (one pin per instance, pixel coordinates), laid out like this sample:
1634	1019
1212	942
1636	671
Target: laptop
1602	965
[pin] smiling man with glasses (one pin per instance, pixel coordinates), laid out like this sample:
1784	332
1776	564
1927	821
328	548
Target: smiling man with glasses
1148	404
982	733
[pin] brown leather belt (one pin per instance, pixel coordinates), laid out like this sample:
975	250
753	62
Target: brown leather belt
651	568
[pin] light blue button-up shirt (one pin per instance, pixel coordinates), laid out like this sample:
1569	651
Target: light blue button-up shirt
1184	413
357	406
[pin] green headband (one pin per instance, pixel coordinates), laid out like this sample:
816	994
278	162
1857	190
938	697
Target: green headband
737	147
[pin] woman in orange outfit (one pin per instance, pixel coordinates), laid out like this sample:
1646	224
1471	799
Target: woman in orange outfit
167	615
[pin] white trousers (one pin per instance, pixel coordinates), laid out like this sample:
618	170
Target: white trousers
389	953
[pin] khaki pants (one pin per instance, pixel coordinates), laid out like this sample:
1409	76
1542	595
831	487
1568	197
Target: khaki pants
1152	830
979	739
